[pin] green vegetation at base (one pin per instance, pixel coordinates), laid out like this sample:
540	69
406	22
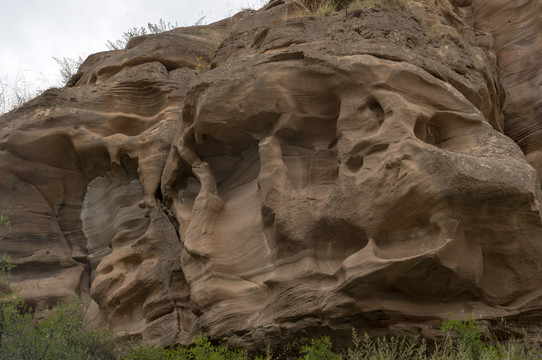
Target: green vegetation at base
63	334
319	349
462	340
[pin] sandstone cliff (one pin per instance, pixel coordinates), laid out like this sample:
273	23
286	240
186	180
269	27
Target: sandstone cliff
279	174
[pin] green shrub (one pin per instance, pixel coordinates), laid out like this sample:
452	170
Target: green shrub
147	352
135	31
63	329
6	265
319	349
396	348
204	350
18	337
469	335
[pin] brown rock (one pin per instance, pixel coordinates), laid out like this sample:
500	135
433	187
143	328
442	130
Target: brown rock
517	28
325	173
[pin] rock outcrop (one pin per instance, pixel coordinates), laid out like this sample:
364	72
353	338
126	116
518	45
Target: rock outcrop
279	174
517	30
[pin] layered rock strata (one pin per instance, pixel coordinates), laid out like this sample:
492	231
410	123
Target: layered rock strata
278	174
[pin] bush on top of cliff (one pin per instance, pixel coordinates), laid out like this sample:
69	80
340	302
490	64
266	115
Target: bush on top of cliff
325	7
370	4
135	31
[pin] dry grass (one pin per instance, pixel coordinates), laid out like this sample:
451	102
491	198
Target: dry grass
321	7
314	5
371	4
328	7
444	34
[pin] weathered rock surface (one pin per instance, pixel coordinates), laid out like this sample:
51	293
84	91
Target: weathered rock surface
278	174
517	29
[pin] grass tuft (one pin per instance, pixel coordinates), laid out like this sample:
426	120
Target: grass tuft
371	4
328	7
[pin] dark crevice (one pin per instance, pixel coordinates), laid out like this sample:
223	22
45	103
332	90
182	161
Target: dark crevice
84	284
83	260
169	65
158	194
89	271
160	199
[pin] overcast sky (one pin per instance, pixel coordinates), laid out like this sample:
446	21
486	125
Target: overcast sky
36	30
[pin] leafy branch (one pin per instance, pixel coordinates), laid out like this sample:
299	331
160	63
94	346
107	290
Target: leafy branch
135	31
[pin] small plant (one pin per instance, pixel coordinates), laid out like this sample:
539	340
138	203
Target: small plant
14	93
444	34
204	350
328	7
268	354
17	335
469	335
325	9
371	4
68	67
396	348
321	7
202	65
147	352
162	26
6	265
319	349
135	31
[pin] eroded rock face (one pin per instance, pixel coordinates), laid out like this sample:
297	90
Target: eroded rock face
323	174
517	29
